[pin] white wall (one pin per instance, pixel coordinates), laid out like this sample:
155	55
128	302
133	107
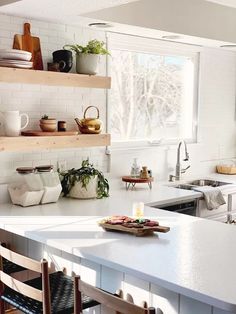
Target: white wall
216	109
63	103
217	126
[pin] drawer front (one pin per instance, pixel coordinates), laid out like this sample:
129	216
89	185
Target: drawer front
204	212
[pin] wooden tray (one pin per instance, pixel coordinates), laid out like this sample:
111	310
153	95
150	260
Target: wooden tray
136	180
41	133
136	231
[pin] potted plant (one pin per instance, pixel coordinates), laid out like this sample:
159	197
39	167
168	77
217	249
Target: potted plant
85	182
48	124
87	56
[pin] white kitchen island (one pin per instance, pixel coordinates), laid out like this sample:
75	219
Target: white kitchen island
186	271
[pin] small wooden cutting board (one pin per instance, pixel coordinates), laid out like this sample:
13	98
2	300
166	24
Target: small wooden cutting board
29	43
136	231
41	133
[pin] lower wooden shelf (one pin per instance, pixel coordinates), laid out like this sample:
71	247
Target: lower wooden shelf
32	143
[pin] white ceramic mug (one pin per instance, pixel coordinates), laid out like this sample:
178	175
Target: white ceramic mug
12	121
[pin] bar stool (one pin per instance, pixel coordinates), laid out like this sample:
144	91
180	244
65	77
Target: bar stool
10	267
113	302
47	294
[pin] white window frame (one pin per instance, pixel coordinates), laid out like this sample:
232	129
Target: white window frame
160	47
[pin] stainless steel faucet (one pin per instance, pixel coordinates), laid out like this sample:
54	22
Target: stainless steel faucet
178	168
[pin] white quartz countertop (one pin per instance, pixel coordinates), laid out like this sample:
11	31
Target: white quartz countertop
196	258
120	201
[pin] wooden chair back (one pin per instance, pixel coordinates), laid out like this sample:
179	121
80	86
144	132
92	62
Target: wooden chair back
109	300
18	286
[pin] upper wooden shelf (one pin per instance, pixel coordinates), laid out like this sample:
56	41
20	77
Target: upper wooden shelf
11	75
32	143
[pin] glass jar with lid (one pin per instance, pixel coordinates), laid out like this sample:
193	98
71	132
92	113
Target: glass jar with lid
26	188
51	184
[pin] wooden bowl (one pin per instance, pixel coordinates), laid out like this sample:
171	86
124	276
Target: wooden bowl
48	125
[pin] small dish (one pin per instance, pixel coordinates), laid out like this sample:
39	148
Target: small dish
15	54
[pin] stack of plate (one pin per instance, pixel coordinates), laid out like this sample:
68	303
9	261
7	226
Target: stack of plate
14	58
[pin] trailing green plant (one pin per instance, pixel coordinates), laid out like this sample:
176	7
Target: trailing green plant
44	117
93	47
84	175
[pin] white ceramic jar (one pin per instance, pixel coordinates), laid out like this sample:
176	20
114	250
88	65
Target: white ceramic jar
80	192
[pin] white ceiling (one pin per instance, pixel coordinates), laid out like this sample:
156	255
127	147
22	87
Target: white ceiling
229	3
57	10
72	11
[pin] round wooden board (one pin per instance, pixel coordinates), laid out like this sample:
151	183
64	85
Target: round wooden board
136	180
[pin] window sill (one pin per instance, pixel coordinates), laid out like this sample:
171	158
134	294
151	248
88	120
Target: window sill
140	145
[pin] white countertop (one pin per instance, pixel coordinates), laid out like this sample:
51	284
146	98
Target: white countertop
196	258
120	201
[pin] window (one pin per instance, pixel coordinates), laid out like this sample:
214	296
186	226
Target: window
153	96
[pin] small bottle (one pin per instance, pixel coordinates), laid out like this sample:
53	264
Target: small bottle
144	173
135	169
61	126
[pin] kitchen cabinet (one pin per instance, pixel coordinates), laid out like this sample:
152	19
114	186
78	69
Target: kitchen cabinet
26	76
203	212
206	213
32	143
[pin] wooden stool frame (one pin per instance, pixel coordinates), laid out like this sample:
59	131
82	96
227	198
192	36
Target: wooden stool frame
18	286
111	301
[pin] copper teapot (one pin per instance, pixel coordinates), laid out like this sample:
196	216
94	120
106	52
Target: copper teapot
89	125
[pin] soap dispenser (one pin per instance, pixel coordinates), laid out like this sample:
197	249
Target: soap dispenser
135	169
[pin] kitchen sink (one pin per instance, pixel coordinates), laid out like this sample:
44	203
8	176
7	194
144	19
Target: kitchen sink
196	183
184	186
204	182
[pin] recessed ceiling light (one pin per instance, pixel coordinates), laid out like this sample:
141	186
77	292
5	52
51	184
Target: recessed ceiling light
228	46
100	25
173	37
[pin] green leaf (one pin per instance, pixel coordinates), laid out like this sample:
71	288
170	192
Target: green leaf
93	46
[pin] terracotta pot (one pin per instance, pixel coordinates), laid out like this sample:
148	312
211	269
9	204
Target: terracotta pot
48	125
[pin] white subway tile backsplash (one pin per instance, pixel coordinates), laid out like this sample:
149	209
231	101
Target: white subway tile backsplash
63	103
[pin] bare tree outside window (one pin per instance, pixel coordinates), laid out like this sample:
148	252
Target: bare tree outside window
152	96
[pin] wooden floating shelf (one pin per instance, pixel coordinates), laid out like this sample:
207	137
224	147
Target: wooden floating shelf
32	143
28	76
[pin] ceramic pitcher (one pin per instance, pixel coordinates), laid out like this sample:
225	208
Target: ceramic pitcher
12	122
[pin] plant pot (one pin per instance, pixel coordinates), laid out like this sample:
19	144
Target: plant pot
77	191
87	63
48	125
